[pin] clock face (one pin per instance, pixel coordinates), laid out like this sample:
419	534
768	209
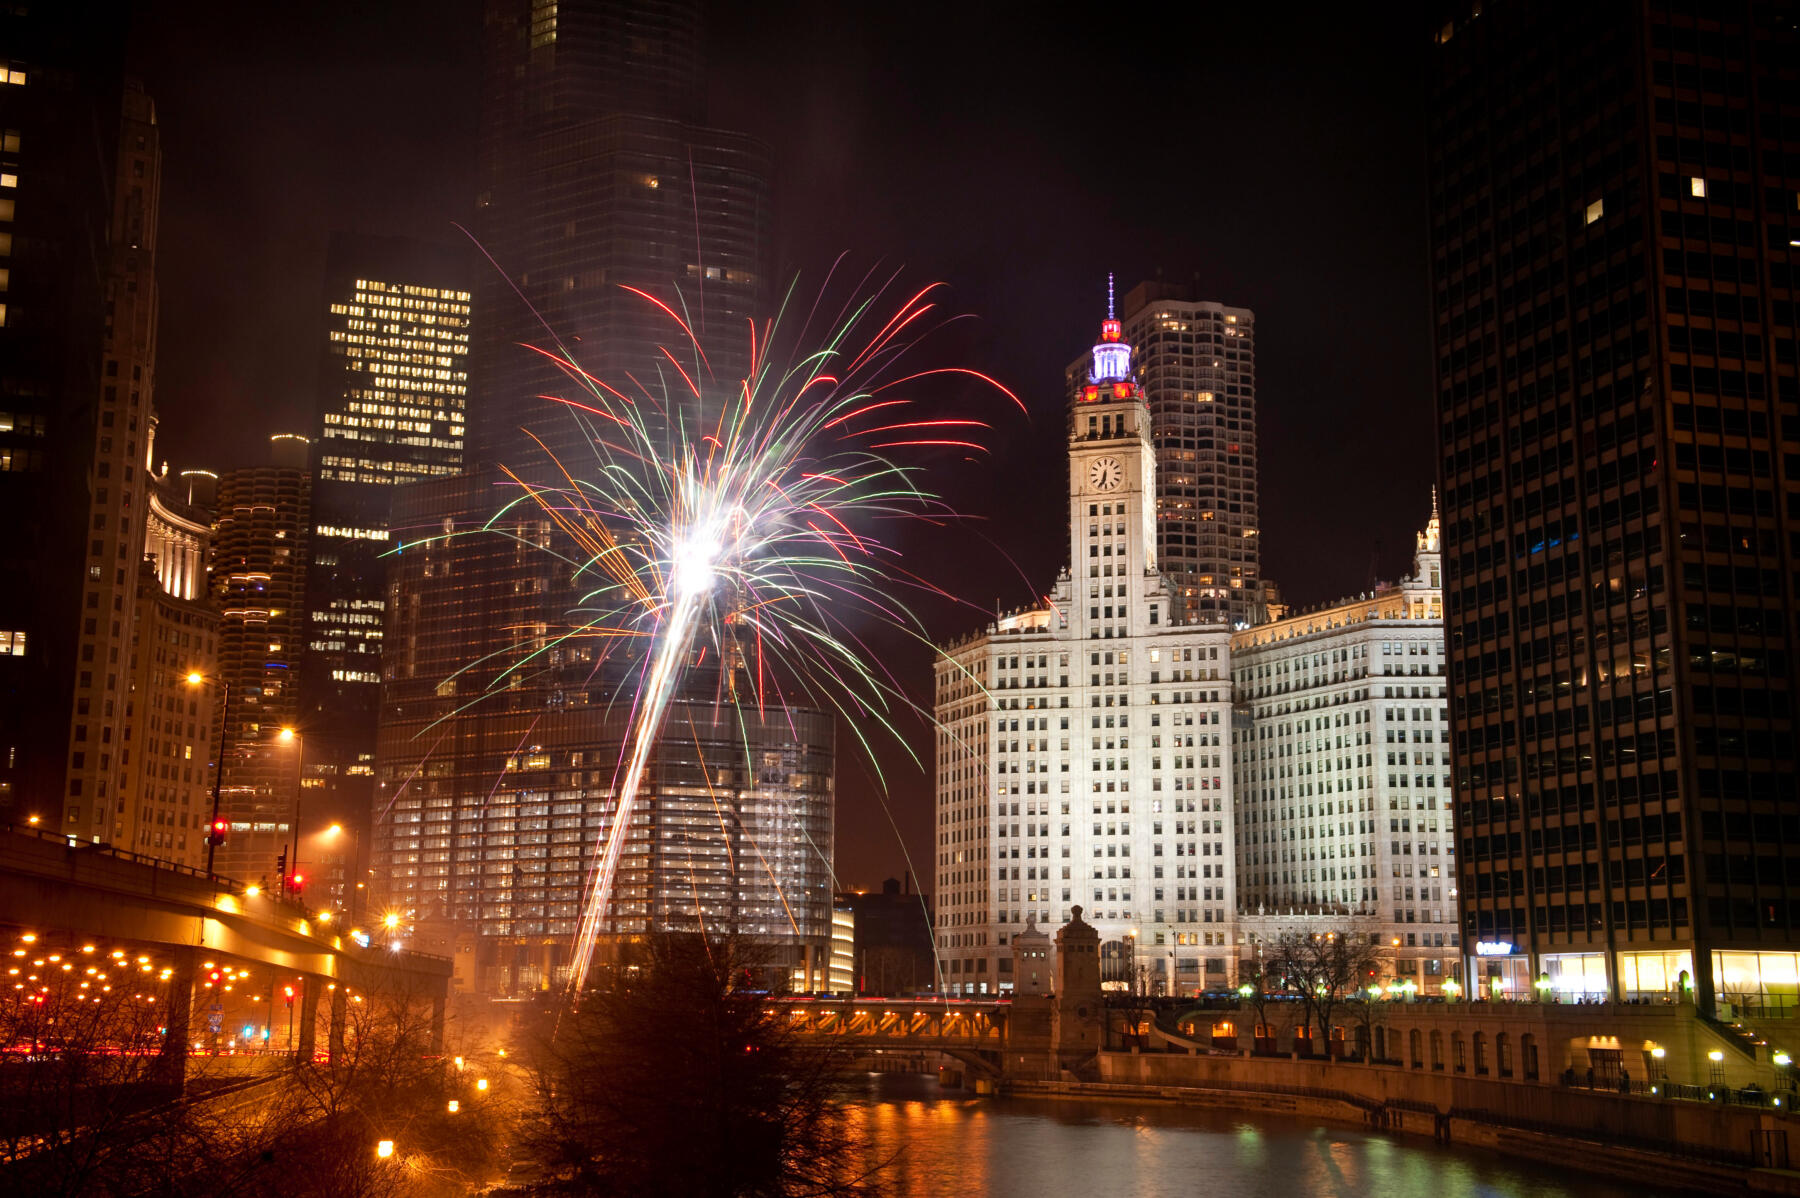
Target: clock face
1104	474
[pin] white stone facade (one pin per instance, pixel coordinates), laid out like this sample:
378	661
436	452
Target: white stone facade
1341	754
1083	743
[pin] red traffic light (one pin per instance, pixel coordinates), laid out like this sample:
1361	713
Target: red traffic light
294	884
216	837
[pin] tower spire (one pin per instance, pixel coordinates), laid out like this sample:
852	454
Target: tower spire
1109	297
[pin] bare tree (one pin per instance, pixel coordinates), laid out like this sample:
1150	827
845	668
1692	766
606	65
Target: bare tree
90	1074
1324	969
384	1080
675	1079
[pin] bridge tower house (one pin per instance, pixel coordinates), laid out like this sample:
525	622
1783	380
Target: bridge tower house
1079	1023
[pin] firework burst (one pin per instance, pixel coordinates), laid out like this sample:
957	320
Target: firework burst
739	520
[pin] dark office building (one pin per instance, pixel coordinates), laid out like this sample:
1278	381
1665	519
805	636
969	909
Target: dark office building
596	174
393	387
893	952
61	86
1615	206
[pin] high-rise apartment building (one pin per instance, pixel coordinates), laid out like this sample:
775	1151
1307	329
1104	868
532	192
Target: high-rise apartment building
260	538
60	92
393	390
1196	360
1082	746
1614	193
1341	763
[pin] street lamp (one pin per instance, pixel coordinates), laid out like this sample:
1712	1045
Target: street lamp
290	736
215	832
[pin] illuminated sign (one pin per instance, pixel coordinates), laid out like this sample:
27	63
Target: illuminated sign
1493	948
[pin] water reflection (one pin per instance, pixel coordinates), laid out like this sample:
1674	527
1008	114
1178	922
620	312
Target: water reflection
936	1143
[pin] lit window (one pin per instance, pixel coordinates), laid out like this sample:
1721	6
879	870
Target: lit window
1595	211
12	76
12	644
8	179
6	209
1697	186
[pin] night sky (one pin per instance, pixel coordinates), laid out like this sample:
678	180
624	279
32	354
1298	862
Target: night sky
1274	156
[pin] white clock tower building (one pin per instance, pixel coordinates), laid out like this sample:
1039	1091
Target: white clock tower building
1082	742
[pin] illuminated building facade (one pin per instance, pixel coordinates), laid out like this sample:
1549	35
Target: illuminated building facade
1196	360
396	361
60	111
495	824
394	385
1341	762
260	535
1613	198
1082	746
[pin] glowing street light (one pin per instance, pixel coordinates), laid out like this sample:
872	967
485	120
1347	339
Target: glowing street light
481	1084
455	1106
384	1149
215	831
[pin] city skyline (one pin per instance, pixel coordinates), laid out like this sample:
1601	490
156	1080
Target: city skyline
534	523
911	187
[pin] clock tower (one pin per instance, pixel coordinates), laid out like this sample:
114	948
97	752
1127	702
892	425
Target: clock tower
1112	495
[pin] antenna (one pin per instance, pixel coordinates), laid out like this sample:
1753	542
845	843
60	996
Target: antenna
1109	296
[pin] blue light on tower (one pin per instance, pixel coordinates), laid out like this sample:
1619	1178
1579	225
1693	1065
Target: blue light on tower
1112	357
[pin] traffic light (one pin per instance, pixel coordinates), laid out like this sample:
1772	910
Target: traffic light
294	884
216	837
281	864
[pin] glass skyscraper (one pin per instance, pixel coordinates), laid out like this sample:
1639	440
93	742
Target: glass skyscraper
597	181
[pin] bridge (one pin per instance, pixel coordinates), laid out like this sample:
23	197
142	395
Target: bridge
977	1033
227	964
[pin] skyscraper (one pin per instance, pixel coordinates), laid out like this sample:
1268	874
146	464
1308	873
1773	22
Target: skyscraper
597	174
392	396
98	751
1613	191
597	180
60	91
1081	752
260	536
1197	362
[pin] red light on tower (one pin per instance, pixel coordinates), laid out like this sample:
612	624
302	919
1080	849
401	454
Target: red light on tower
1091	392
1110	330
1121	390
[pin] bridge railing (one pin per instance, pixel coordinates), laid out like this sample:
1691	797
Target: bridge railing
102	849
